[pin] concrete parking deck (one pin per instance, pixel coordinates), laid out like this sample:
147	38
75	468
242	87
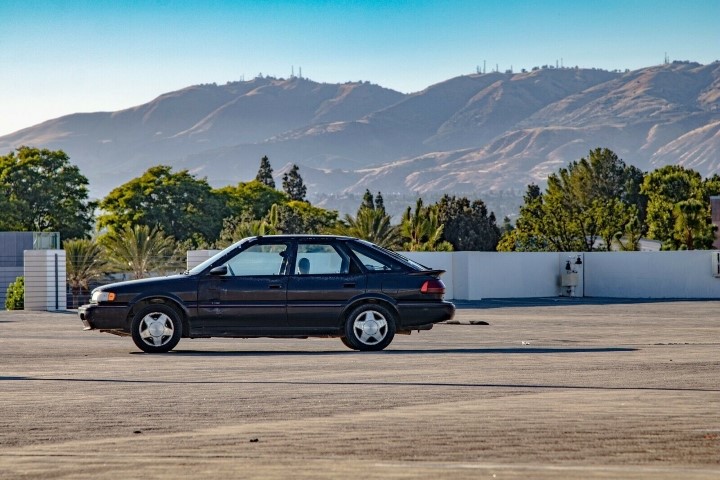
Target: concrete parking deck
549	389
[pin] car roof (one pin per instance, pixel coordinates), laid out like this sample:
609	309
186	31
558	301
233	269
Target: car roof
303	236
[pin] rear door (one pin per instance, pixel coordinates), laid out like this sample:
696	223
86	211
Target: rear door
322	280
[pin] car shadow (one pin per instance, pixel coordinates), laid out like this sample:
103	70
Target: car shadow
492	303
434	351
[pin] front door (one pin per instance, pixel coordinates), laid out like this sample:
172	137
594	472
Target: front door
249	296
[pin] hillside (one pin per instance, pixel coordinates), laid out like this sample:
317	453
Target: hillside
475	133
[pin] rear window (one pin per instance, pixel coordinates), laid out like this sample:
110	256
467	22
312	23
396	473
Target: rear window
395	256
379	260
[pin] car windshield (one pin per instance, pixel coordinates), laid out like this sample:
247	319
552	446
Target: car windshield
199	268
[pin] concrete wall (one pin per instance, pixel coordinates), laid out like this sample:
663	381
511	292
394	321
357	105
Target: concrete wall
685	274
478	275
12	246
45	280
475	275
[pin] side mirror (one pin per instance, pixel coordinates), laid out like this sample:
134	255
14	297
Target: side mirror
219	270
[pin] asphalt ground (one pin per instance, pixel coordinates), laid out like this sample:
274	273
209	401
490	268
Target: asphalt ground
547	388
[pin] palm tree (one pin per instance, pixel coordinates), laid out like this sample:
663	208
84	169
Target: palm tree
84	262
370	224
141	251
238	227
422	230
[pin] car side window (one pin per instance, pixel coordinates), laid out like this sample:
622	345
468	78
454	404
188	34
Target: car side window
266	259
373	262
320	259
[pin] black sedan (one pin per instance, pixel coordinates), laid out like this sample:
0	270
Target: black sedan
278	286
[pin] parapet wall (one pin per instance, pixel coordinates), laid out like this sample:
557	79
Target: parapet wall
477	275
45	280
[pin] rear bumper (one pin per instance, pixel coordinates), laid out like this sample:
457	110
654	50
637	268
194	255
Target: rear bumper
422	313
103	317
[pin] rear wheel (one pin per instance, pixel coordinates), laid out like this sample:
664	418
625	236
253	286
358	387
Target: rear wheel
156	328
369	327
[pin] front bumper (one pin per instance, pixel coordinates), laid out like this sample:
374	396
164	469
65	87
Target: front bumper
104	317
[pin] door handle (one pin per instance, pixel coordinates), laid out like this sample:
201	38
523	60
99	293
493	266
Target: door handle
348	285
274	286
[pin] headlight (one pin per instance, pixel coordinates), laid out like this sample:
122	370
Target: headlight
98	297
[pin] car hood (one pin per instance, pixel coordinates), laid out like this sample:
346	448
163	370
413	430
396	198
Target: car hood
143	283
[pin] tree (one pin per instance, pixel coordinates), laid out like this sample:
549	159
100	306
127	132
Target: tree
300	217
692	229
380	202
315	220
140	250
283	219
526	237
371	202
678	209
372	225
293	184
179	204
10	219
597	197
85	262
422	231
41	191
619	225
264	174
467	225
368	201
15	297
241	226
253	198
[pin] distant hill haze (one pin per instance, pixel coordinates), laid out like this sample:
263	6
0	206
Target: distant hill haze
475	133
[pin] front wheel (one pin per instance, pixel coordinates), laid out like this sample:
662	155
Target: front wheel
369	327
156	328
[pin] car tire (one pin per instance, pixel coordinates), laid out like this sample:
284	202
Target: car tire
156	328
369	327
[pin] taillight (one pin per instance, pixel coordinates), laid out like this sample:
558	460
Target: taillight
433	286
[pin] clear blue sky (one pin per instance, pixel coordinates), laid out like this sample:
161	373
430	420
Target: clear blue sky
66	56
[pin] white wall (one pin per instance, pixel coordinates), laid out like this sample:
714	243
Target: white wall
684	274
45	287
477	275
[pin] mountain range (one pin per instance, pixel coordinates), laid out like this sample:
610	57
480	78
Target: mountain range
479	133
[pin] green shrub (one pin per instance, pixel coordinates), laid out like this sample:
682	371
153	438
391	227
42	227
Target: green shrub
15	299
